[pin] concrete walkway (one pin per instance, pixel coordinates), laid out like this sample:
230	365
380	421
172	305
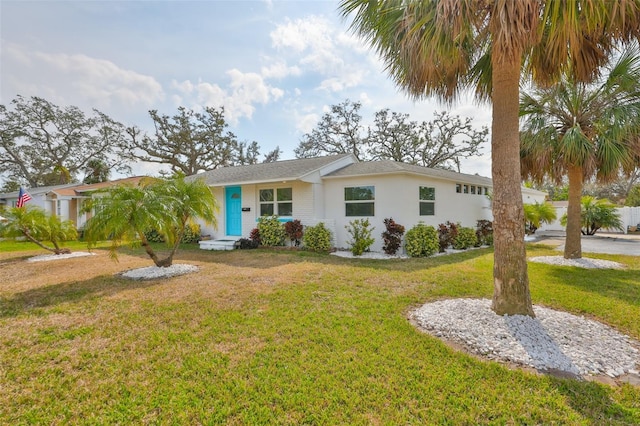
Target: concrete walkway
610	243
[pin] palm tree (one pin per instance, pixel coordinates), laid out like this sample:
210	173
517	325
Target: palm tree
33	223
583	130
537	214
595	214
443	47
124	213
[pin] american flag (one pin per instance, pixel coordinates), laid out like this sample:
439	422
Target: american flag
23	198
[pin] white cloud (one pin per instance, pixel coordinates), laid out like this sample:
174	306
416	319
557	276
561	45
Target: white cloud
244	91
316	45
280	70
306	123
99	82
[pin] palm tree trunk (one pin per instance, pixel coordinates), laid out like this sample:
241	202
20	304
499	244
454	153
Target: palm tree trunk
510	279
147	248
33	240
573	244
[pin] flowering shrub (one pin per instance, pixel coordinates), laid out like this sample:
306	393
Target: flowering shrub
447	233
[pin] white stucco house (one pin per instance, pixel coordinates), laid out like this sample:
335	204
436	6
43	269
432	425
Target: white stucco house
338	189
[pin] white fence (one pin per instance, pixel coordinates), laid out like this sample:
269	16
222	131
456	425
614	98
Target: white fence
630	216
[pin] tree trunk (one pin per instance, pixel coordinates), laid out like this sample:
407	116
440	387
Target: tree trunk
510	279
33	240
573	244
160	263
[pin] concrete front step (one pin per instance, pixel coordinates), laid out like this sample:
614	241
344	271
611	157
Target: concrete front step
221	244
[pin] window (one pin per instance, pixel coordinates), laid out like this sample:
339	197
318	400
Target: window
473	189
466	189
458	188
427	198
359	200
277	202
58	207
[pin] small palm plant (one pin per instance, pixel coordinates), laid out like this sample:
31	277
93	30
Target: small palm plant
596	214
33	223
537	214
124	213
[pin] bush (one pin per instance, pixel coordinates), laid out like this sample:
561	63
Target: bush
191	235
484	232
447	233
465	238
361	239
317	238
154	236
293	230
255	236
421	241
392	236
246	243
271	231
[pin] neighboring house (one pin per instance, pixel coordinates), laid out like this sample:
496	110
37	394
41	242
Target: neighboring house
338	189
65	201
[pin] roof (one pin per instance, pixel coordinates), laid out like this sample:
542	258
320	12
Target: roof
37	190
267	172
79	190
383	167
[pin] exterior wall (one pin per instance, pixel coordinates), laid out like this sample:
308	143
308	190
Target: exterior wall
397	196
305	209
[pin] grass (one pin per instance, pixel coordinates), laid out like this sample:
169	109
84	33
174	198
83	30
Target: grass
260	337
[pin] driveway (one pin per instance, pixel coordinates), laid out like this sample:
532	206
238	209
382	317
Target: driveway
610	243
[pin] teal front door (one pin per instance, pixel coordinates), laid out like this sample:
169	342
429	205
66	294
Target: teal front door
233	203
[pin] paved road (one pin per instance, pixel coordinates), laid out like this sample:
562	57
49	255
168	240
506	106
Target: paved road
599	243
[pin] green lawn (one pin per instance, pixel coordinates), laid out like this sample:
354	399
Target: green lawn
260	337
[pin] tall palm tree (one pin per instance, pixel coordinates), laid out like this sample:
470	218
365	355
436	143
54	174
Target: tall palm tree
443	47
583	130
125	213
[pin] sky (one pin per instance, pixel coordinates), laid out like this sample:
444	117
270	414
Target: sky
275	66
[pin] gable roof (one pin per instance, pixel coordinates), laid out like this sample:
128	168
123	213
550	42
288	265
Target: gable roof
37	190
285	170
384	167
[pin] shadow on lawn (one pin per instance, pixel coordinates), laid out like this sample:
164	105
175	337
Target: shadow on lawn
612	283
267	258
56	294
594	402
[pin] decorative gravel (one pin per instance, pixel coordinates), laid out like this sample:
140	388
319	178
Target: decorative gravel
580	263
152	272
47	257
553	340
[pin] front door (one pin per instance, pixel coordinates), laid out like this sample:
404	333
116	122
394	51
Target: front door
233	203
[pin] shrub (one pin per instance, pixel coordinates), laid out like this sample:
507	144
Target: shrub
255	236
293	230
465	238
392	236
447	232
421	241
191	235
361	239
484	232
317	238
154	236
246	243
271	231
